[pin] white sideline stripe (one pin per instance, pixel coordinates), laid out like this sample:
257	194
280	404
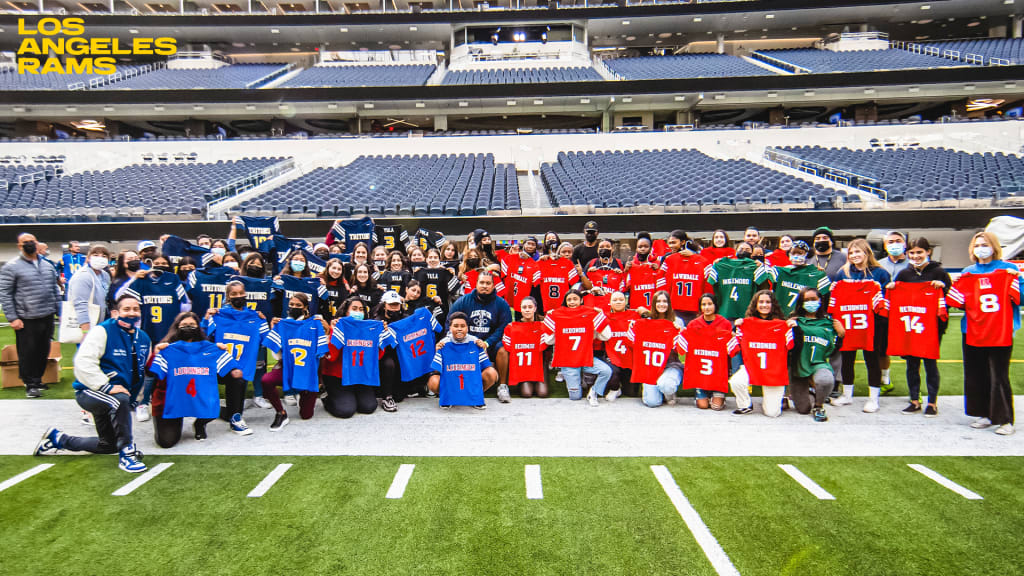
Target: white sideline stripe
806	482
401	480
269	481
946	482
146	477
718	558
534	489
24	476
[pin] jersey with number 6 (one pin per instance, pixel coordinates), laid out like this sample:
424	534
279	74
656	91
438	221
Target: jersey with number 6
522	341
790	280
574	330
765	345
521	275
734	282
987	300
706	349
301	344
361	342
914	310
652	342
854	303
618	348
556	278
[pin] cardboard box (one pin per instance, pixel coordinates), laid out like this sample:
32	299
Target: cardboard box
9	366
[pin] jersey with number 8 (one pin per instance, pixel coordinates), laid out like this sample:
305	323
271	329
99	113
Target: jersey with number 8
987	300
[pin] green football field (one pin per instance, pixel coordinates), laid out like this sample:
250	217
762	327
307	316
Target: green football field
329	515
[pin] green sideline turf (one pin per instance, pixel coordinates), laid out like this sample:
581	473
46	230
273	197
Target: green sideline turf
601	516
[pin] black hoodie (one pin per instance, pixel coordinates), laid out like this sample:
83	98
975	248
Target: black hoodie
932	271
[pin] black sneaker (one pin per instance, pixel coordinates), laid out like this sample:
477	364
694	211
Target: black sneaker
42	386
931	411
911	408
746	410
819	415
836	391
33	392
280	421
389	405
200	429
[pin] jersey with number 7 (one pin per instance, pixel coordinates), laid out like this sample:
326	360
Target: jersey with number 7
854	303
574	330
707	349
987	300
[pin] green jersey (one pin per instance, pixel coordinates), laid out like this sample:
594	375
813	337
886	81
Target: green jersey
790	280
817	341
735	281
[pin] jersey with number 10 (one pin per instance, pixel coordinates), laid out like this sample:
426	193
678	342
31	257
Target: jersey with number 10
915	309
360	342
854	303
652	342
522	341
734	282
301	344
707	349
987	300
765	345
574	330
685	276
415	343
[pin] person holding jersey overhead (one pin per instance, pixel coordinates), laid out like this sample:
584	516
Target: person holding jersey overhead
298	341
815	337
765	341
571	330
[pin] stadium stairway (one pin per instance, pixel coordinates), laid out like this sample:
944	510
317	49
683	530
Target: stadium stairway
219	210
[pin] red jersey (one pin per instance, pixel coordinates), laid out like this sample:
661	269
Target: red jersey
556	278
609	279
707	349
659	248
914	310
712	253
643	283
574	330
854	303
778	258
522	341
987	300
618	348
470	283
685	280
521	275
652	342
765	345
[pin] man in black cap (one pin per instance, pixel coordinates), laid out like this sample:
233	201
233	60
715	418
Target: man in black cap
586	251
826	258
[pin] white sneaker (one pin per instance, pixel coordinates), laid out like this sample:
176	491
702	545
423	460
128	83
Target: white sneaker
871	405
291	400
842	400
592	397
671	399
981	423
1005	430
260	402
558	377
142	413
503	394
612	395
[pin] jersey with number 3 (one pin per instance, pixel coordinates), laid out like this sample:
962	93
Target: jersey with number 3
765	345
301	344
914	310
854	303
522	341
361	342
652	342
574	330
987	299
707	349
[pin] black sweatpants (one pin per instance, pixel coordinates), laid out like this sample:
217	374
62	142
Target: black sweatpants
113	417
33	345
234	396
167	431
345	401
987	392
931	377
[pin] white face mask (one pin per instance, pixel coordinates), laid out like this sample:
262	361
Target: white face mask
232	265
982	252
98	262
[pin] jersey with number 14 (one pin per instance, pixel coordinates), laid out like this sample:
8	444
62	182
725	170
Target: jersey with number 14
360	342
301	344
652	342
707	349
574	330
854	303
987	300
915	309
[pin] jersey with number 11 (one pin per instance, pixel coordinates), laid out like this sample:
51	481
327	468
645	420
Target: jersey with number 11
361	342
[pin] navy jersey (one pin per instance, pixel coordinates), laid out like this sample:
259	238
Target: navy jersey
278	248
70	263
301	344
243	332
461	367
258	292
392	280
360	342
313	262
311	287
437	282
259	229
391	237
161	295
427	239
175	249
352	232
415	343
190	370
206	288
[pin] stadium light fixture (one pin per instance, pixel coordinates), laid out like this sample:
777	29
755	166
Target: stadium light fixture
773	94
809	93
969	86
697	19
869	90
158	108
584	100
19	108
421	104
538	102
679	98
71	108
133	31
719	96
250	107
627	100
108	108
463	104
1010	85
914	89
275	31
510	103
1008	2
926	7
368	105
413	28
769	16
625	22
332	106
342	29
198	108
282	106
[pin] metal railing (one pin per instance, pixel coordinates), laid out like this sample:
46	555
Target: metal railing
246	183
780	63
831	173
271	76
949	54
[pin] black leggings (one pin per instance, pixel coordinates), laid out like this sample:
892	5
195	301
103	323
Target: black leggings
390	375
931	375
167	431
234	396
345	401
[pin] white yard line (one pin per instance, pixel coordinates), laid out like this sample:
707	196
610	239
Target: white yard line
401	480
268	482
946	482
146	477
534	488
718	558
806	482
23	476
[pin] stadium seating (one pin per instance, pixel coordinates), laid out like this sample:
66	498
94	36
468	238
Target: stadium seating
435	185
11	80
362	75
925	174
684	66
1010	49
627	179
822	61
523	75
236	76
129	193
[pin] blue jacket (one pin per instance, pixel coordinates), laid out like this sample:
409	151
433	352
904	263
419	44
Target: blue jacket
985	269
104	359
487	318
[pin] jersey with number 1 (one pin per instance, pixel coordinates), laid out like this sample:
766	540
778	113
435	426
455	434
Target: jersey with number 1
706	349
642	283
461	366
915	309
987	300
301	344
522	341
854	303
652	342
765	345
361	342
415	343
574	330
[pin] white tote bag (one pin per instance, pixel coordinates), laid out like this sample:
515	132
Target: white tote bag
70	332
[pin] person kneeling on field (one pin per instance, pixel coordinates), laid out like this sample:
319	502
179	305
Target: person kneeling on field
111	361
815	337
462	370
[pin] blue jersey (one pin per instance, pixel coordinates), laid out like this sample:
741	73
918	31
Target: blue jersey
190	370
258	292
352	232
161	295
415	336
360	342
461	367
301	344
175	249
259	229
206	288
311	287
70	264
243	332
278	248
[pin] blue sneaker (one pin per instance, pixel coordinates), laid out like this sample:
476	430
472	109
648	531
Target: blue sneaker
130	460
238	425
50	443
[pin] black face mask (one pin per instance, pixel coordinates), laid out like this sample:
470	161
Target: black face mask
552	245
254	271
163	268
642	257
296	313
189	333
742	255
759	258
132	265
604	253
183	274
823	246
473	263
322	255
237	303
29	247
392	316
590	235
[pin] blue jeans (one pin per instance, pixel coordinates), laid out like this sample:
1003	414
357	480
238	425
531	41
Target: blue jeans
574	376
669	381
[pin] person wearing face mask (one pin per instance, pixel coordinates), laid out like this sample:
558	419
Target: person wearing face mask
815	336
735	280
476	261
30	298
185	267
259	295
586	251
90	286
684	278
551	243
296	278
826	258
205	286
126	267
789	281
392	389
147	250
344	401
298	342
558	275
488	315
109	364
483	241
218	250
604	275
643	275
894	262
322	251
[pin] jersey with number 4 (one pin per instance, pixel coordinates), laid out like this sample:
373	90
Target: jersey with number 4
707	349
915	309
556	278
734	282
301	344
854	303
618	348
415	343
574	330
190	370
686	279
987	300
361	342
522	341
765	345
652	342
243	332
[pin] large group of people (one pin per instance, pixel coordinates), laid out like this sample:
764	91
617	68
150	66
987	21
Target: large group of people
374	315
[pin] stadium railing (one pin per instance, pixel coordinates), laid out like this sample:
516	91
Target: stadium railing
853	180
246	183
